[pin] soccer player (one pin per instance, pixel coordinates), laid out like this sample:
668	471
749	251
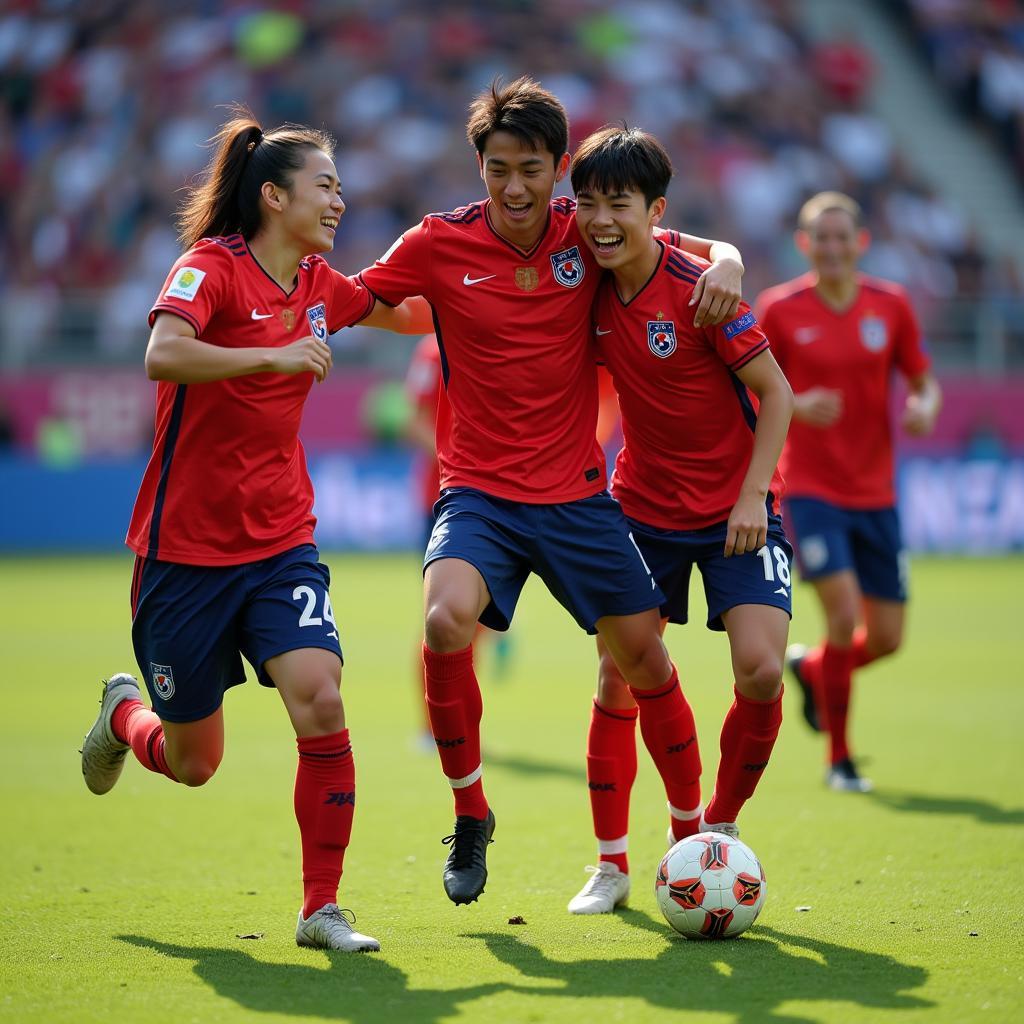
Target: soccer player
511	283
697	479
839	335
223	527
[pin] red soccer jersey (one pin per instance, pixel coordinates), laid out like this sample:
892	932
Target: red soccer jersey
423	386
513	328
687	419
227	481
850	463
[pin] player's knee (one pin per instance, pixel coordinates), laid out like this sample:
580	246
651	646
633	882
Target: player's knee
612	691
195	770
842	621
885	643
447	628
759	676
324	713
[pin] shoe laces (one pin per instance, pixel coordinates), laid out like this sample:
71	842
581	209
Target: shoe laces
729	828
467	849
331	912
602	880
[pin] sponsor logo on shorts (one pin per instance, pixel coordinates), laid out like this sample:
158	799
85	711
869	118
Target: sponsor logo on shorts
814	552
163	680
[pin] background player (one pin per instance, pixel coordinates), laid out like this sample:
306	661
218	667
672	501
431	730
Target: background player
838	335
697	479
223	524
523	477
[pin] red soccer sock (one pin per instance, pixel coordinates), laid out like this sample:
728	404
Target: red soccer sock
133	723
748	736
611	769
836	672
325	801
455	707
811	669
668	729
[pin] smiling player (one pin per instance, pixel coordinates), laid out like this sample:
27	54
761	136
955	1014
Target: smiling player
697	479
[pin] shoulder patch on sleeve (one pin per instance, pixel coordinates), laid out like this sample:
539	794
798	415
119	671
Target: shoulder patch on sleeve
739	325
186	284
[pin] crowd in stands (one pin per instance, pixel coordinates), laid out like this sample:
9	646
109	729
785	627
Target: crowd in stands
104	107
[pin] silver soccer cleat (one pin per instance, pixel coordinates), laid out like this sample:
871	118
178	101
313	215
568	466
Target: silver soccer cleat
102	752
607	889
329	928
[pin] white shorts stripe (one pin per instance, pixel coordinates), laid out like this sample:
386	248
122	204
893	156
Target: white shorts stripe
468	780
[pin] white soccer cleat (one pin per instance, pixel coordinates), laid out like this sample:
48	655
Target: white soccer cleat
729	828
607	889
102	752
844	778
329	928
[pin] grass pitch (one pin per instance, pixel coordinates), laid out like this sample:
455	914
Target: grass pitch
136	906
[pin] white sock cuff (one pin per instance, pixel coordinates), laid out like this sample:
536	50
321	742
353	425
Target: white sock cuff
609	846
466	780
685	815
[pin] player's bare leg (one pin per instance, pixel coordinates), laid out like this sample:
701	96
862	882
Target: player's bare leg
194	750
455	596
882	632
666	719
309	682
757	643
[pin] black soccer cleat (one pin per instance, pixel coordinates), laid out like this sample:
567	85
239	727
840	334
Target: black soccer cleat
844	777
795	654
465	870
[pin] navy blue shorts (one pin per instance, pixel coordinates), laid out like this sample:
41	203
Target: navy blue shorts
582	550
757	577
191	624
830	539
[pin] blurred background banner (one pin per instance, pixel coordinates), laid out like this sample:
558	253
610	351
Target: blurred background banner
914	107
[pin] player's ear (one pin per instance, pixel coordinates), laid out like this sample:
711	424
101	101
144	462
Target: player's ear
562	167
802	241
271	195
657	210
863	240
480	164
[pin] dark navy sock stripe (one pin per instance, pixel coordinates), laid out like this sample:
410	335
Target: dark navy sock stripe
612	714
173	429
330	756
150	755
646	695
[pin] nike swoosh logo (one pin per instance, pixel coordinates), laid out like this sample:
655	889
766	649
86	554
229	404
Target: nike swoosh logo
333	633
476	280
260	316
600	333
783	591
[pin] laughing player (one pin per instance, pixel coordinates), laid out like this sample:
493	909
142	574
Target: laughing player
697	480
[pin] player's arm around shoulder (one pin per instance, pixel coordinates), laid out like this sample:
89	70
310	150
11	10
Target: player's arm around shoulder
748	521
719	289
411	316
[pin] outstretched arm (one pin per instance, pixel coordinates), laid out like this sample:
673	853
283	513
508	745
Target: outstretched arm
413	316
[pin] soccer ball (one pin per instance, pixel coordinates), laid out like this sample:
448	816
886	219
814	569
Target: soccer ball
710	886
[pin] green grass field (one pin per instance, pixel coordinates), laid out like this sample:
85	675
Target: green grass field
131	907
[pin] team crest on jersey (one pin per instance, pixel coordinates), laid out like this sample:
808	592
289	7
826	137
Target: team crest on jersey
317	316
661	337
873	333
163	680
186	284
568	266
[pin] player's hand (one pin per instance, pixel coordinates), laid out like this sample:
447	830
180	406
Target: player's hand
307	355
918	416
717	293
747	529
820	407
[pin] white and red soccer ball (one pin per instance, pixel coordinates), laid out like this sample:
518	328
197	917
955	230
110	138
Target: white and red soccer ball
710	886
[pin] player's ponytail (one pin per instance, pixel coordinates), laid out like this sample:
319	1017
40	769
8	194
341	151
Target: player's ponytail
227	199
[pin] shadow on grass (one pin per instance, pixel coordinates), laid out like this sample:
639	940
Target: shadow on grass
750	979
982	811
534	768
358	987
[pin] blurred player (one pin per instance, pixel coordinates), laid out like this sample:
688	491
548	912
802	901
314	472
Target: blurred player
223	527
838	336
523	478
697	479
